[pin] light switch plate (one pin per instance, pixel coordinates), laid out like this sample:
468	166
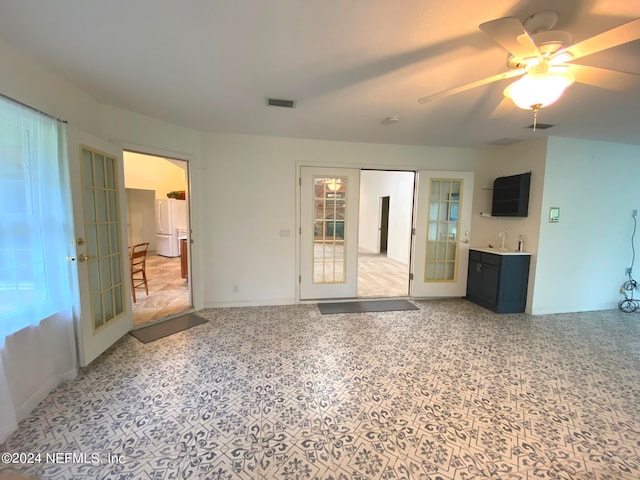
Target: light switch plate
554	215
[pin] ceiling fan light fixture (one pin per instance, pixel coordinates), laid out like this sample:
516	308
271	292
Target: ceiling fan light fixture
537	90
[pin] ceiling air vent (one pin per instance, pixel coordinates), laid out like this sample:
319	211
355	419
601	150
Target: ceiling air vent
541	126
505	141
279	102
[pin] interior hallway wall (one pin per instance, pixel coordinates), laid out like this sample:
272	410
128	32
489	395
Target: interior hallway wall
375	184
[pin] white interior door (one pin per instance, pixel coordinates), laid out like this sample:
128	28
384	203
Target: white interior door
442	223
329	232
102	307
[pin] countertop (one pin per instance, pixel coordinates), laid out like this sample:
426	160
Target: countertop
498	251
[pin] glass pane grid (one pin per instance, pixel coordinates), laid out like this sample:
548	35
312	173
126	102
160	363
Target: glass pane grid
103	237
329	229
442	243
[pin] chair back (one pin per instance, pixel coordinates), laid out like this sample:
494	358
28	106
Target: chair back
138	255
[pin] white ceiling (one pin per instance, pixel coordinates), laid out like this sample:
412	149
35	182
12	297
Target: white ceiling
209	65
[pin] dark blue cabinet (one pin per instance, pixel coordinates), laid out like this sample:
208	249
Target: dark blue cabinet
498	282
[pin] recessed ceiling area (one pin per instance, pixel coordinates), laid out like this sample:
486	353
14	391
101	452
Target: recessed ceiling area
348	65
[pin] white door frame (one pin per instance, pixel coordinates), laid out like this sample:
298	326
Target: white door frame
193	274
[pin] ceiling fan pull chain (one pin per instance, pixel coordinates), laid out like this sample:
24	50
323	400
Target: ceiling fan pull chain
535	119
536	109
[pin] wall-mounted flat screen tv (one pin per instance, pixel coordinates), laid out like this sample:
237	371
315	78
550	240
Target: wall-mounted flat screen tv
511	196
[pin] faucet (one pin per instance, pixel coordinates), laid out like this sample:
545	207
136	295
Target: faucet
503	235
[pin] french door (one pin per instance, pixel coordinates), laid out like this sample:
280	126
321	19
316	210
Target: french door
442	223
329	232
99	254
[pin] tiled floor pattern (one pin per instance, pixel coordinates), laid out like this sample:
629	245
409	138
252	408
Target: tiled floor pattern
451	391
168	291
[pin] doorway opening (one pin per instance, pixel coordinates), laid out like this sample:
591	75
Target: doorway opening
157	205
384	233
384	224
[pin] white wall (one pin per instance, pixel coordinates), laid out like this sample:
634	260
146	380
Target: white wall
26	80
582	259
251	196
375	184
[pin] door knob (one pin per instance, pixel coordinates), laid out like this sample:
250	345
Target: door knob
83	258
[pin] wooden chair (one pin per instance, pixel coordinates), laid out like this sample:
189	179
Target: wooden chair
137	263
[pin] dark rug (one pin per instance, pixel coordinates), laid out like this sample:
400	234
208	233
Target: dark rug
366	306
167	327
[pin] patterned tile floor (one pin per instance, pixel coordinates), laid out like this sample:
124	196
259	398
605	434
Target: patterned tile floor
451	391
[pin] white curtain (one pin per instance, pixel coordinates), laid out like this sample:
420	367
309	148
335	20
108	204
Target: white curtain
37	345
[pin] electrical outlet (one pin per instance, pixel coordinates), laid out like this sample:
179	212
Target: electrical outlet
627	271
236	289
634	213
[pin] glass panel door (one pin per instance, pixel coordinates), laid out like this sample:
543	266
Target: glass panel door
328	232
102	227
102	303
442	222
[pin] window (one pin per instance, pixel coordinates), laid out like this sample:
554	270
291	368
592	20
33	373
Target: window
34	281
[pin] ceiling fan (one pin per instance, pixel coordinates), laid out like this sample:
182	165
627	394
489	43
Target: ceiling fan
543	59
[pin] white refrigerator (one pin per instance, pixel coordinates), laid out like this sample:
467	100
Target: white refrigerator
171	216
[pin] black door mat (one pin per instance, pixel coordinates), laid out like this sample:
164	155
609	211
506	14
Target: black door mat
366	306
167	327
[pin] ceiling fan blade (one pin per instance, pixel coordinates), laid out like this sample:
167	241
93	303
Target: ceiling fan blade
605	78
469	86
625	33
509	33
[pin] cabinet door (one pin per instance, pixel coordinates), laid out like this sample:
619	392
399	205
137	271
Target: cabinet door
482	283
489	284
474	280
